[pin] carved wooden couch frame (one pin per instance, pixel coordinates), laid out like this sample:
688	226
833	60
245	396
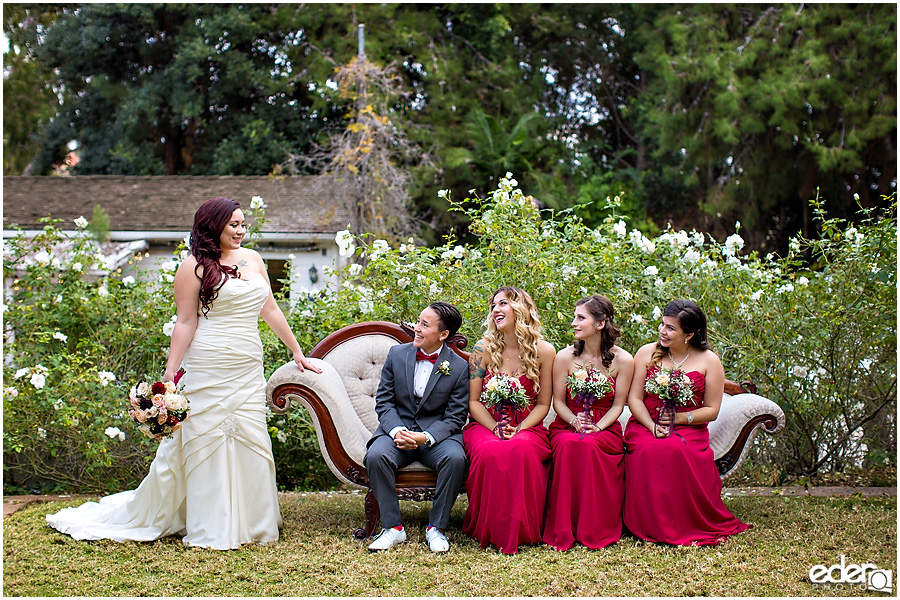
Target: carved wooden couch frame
341	402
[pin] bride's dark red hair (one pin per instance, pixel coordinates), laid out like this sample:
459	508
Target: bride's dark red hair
209	223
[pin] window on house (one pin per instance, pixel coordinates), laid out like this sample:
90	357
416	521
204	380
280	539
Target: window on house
277	271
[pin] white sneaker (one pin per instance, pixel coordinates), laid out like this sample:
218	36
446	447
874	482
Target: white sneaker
387	538
437	541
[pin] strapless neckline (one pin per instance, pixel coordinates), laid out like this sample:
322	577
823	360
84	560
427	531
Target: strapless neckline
247	280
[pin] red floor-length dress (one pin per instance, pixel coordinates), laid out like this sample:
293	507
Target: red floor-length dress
672	487
588	486
507	482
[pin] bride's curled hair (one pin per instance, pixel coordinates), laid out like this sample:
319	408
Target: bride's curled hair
209	223
528	333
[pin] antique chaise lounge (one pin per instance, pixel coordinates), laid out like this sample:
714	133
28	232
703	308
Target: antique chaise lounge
341	402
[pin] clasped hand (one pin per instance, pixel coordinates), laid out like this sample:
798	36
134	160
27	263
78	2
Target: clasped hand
409	440
664	420
580	424
509	430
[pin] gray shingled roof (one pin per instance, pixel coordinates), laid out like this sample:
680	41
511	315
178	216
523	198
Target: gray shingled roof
295	204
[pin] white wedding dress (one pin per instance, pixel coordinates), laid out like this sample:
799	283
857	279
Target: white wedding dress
214	481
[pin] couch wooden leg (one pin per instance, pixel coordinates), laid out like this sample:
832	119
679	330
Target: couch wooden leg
373	514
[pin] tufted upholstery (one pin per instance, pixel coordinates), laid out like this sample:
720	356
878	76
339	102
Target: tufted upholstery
329	387
358	363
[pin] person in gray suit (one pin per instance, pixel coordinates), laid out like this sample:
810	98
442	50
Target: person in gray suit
422	403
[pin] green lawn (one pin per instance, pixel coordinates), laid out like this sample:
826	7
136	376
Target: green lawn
317	556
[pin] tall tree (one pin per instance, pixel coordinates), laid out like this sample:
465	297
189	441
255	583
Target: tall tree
29	98
701	114
369	158
457	60
494	149
755	107
173	88
692	109
585	54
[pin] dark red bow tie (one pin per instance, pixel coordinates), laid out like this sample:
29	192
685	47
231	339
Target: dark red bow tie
432	358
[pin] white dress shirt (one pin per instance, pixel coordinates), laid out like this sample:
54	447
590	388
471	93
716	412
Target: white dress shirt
424	369
422	374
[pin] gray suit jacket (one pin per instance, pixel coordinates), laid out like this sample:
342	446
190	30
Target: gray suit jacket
444	406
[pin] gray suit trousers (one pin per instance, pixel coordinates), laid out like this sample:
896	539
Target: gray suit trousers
448	458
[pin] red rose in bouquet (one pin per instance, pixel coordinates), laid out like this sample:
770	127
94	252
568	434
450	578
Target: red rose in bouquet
158	408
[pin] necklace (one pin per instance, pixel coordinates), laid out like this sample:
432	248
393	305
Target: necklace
588	365
678	364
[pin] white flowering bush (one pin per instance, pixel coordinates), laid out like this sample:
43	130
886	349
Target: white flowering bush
829	307
821	342
75	333
73	330
815	330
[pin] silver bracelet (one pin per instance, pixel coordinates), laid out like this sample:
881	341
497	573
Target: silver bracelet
690	417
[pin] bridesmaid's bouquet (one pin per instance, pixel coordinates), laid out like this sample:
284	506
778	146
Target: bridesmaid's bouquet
504	392
158	408
671	385
674	388
586	384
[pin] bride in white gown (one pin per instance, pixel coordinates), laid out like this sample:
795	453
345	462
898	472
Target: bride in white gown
213	482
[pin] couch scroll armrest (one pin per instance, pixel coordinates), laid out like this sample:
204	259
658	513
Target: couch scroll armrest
731	434
341	434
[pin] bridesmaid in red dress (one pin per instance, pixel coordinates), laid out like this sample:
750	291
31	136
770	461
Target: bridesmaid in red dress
672	486
588	487
509	469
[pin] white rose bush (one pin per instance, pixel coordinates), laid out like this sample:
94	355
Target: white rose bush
815	329
831	301
72	337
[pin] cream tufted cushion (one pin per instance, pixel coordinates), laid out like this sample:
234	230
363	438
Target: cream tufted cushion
359	362
551	416
329	387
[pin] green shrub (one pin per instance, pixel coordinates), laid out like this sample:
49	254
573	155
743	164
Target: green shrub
74	342
67	319
815	330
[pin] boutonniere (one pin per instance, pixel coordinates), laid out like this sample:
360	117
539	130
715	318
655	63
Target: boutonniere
444	368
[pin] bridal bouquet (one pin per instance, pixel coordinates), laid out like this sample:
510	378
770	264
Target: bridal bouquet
674	388
586	384
158	408
504	392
